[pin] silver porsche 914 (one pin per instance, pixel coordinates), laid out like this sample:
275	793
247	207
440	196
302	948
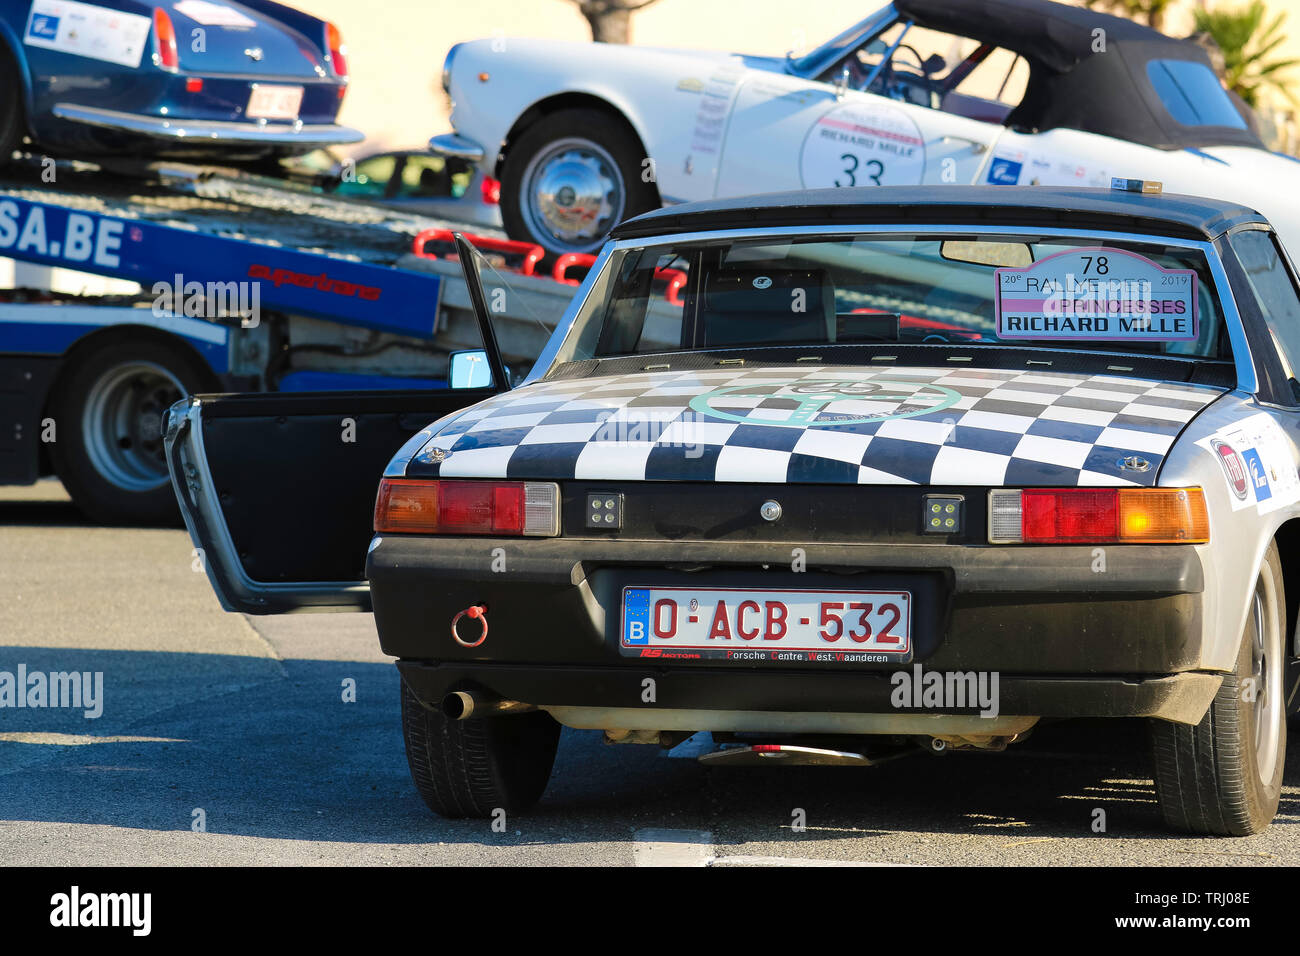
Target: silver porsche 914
827	476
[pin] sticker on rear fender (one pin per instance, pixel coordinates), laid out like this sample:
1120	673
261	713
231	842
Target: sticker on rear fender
1097	294
744	625
1257	461
83	29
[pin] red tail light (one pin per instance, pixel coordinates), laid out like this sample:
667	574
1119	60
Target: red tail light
412	506
1098	515
491	189
338	52
165	39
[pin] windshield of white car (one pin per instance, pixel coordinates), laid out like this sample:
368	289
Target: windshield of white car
838	46
1079	294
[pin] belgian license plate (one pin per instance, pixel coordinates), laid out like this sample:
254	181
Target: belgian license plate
274	102
851	627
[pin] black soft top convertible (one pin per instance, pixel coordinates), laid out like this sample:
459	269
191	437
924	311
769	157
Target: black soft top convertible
1092	71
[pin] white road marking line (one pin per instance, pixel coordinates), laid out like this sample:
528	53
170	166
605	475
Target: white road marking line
655	846
790	861
663	847
79	740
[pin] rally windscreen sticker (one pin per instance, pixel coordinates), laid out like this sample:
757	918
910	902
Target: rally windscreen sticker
1097	294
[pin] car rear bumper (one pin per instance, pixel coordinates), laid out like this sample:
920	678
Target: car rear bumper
796	701
457	147
178	129
1064	638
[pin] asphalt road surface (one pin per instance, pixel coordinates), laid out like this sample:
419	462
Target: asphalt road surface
240	723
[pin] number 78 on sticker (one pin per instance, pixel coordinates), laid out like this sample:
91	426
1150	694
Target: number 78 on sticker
1097	294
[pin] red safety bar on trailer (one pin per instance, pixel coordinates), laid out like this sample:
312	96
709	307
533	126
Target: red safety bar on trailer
675	278
567	261
531	252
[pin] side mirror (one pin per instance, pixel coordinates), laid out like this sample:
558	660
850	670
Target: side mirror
933	64
470	369
876	47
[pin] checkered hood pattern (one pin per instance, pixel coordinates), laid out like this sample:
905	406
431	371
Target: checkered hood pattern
970	426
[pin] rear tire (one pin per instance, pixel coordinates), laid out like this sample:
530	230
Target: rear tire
469	768
571	177
1223	777
107	409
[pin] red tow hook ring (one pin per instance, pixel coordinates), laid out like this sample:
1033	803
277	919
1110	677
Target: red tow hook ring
473	611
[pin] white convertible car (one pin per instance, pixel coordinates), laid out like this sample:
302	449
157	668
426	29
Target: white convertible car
1008	92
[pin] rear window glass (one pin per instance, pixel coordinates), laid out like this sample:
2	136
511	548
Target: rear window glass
1192	94
972	290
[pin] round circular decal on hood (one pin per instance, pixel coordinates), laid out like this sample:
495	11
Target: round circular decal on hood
824	403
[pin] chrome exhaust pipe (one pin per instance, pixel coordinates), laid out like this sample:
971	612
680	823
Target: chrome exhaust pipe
464	704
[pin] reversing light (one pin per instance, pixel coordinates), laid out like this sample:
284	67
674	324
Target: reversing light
1098	516
165	39
942	514
504	508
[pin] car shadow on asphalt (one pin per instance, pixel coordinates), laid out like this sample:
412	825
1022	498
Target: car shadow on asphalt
52	512
273	749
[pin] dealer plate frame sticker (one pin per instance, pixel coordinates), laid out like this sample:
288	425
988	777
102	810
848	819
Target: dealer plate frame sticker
742	634
1097	294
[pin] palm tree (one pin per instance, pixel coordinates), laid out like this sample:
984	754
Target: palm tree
1247	43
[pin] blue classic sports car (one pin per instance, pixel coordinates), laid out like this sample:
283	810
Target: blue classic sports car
169	78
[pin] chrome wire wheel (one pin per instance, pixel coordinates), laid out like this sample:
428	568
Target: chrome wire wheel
574	192
1266	675
121	424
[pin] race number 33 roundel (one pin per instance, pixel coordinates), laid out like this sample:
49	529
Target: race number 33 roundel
861	144
1098	294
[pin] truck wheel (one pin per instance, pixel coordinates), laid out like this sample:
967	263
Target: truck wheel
571	177
108	411
469	768
1224	776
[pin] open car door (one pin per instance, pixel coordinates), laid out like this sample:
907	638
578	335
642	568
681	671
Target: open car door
278	490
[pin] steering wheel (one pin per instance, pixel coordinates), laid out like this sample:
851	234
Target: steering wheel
894	85
920	60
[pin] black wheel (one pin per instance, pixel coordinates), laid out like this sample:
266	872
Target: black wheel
1224	776
13	122
108	411
469	768
571	177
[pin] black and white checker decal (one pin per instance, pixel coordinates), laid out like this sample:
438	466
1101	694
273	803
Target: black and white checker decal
970	426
